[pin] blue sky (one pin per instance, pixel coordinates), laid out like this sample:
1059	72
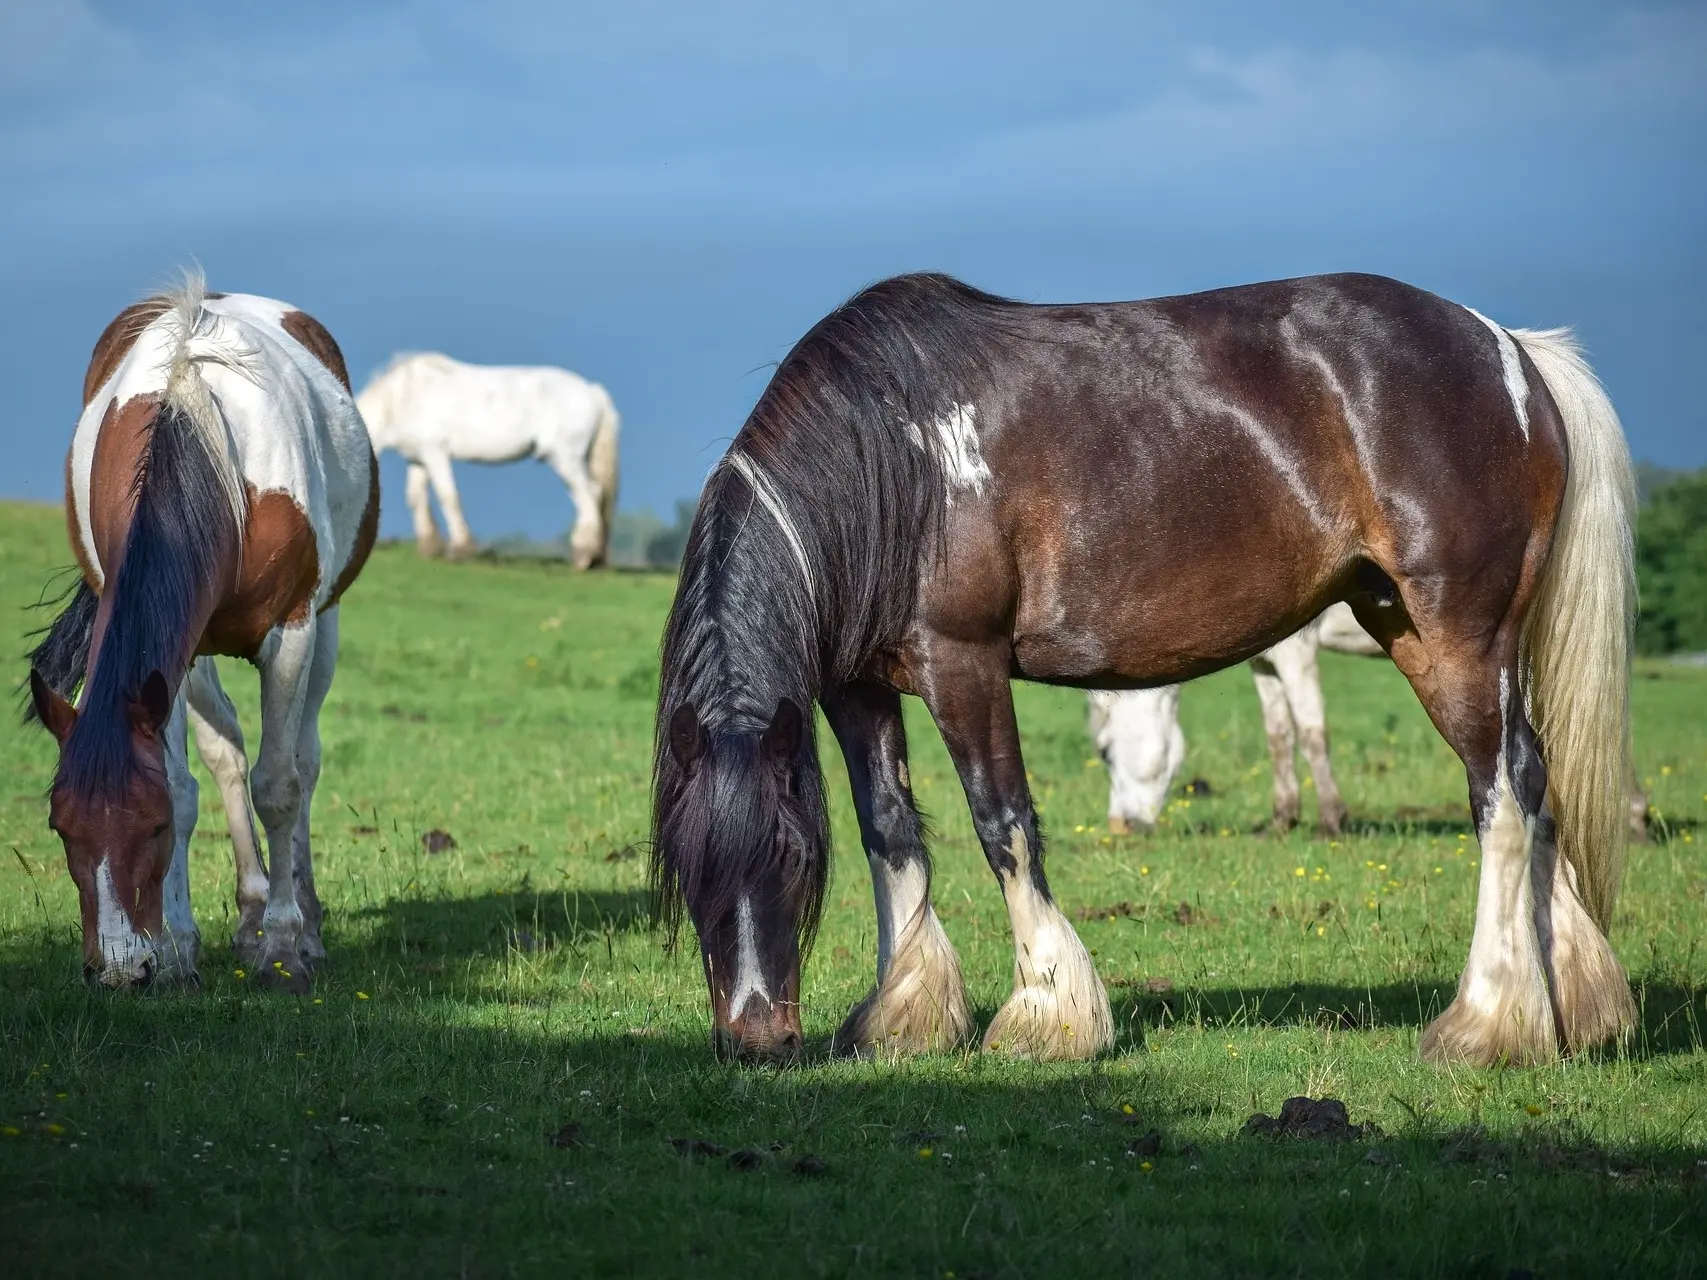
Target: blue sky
663	196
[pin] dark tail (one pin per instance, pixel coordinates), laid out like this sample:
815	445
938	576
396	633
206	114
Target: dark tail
63	654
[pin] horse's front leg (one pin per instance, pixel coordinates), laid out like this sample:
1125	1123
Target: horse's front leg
178	952
919	1002
320	671
285	661
219	739
439	471
1059	1008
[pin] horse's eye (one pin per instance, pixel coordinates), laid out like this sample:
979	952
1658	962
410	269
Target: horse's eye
160	830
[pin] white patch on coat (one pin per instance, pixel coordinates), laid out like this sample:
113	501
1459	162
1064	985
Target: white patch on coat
1511	366
768	497
901	896
958	449
749	974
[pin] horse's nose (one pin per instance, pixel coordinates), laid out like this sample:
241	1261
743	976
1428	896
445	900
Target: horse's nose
764	1034
100	977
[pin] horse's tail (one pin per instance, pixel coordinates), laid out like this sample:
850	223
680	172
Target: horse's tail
1578	635
199	341
602	463
62	656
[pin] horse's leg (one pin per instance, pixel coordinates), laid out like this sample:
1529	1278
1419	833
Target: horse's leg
308	770
919	1002
587	539
219	739
1277	725
285	660
1470	687
176	957
1059	1008
1591	993
1294	660
437	463
417	489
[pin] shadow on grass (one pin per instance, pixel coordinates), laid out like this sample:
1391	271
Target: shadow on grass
1671	1019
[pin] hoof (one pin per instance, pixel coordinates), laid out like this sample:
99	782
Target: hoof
919	1007
1509	1035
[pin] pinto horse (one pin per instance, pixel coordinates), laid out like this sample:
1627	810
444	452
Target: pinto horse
221	496
941	490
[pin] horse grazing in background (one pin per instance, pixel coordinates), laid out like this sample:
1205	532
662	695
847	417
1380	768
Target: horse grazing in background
431	409
221	496
1139	737
941	490
1138	734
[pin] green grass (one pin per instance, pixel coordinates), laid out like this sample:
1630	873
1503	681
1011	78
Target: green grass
478	999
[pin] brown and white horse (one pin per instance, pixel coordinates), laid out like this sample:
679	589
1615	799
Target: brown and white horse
221	496
941	490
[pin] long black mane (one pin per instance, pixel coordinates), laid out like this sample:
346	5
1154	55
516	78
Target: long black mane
844	438
181	534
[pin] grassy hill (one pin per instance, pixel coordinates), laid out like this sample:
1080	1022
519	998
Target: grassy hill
480	999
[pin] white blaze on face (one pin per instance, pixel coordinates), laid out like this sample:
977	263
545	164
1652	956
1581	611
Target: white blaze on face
1511	366
122	950
749	974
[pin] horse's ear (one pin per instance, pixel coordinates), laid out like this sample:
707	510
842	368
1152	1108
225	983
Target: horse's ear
55	713
152	705
687	736
782	737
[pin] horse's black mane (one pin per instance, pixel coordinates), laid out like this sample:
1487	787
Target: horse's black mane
844	435
182	527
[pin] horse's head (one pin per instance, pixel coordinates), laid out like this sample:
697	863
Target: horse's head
742	838
116	825
1140	740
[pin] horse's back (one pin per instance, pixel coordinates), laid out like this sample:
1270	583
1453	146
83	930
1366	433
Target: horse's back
1218	464
486	413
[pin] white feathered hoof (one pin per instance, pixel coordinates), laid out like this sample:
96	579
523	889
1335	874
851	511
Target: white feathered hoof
1515	1031
919	1007
1058	1011
1590	990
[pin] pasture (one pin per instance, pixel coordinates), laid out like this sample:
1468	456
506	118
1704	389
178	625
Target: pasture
493	1064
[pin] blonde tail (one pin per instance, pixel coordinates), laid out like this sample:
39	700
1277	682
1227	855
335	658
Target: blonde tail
1578	637
602	466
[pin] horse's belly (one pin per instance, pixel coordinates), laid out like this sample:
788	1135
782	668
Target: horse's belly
1115	634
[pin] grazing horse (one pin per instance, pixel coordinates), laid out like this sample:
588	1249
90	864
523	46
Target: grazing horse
1139	736
431	409
221	496
1138	733
941	490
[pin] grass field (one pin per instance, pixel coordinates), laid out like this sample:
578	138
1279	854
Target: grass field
481	999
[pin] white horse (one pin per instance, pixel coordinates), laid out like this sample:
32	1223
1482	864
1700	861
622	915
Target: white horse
431	409
1139	736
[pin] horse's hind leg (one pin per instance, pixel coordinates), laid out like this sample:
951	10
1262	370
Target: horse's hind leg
919	1002
1294	660
1282	742
417	490
219	739
587	538
1059	1008
1503	1011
